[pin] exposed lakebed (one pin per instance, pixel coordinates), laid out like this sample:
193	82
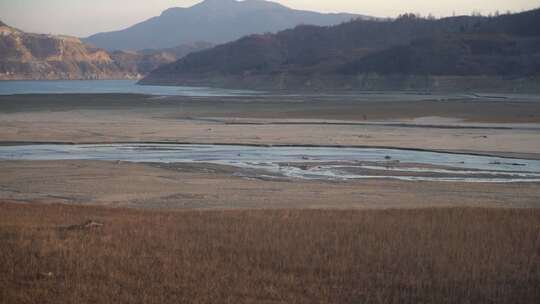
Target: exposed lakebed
329	163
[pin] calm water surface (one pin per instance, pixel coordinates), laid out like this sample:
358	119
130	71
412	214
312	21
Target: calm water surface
301	162
109	86
131	87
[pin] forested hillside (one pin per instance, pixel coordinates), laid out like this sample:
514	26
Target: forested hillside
353	54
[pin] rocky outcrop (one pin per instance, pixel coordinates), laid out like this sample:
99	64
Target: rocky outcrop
25	56
47	57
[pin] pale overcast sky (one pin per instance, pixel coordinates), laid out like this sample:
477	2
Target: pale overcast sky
85	17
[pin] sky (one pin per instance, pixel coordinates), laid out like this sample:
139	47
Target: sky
85	17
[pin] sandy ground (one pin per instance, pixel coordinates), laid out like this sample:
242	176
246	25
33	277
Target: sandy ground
77	127
497	127
507	127
210	187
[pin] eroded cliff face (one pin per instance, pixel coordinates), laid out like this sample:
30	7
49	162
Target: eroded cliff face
46	57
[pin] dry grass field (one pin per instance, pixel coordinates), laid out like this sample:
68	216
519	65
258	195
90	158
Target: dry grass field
281	256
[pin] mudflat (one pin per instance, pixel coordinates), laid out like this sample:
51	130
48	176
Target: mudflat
499	126
200	186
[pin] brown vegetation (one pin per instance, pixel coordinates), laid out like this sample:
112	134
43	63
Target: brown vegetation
392	256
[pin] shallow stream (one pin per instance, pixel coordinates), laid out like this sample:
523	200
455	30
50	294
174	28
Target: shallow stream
330	163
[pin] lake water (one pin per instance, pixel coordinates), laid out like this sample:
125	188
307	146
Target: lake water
109	86
131	87
301	162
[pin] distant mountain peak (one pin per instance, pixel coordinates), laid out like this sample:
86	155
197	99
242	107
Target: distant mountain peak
228	5
171	10
233	6
217	2
215	21
250	3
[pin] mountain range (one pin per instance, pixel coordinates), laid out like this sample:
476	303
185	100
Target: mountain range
25	56
409	52
213	21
